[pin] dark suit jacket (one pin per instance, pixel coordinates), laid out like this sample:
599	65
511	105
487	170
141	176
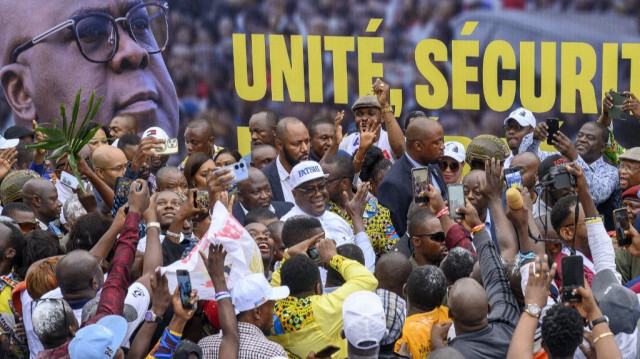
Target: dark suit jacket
396	191
281	209
271	171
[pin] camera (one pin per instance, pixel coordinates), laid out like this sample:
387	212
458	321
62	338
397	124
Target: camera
559	178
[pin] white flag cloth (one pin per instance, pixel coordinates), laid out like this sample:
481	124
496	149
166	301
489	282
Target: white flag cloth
243	254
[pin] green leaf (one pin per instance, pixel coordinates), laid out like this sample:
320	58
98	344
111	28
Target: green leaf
95	109
74	168
63	113
88	138
74	116
50	131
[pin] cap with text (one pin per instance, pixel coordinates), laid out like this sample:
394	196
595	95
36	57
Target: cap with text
523	116
305	171
253	291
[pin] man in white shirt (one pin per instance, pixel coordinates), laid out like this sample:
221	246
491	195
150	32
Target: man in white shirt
519	124
311	198
292	143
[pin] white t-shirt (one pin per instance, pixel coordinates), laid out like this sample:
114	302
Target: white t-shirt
351	144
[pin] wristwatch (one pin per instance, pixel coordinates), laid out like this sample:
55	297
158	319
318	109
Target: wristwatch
149	316
602	319
533	310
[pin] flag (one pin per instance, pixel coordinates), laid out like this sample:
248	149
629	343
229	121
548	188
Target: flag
243	254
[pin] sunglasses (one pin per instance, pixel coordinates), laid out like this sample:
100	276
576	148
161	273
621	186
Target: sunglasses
436	237
454	166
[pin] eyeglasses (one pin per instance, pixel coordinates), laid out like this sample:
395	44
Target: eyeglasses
118	168
96	33
27	227
436	237
310	191
453	165
627	168
514	126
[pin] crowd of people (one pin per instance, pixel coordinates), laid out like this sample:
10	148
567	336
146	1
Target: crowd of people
356	262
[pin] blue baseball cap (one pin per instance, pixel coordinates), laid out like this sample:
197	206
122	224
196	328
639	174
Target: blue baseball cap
99	340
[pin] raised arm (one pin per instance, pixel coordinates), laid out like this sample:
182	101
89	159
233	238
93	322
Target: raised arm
396	137
355	208
492	190
524	224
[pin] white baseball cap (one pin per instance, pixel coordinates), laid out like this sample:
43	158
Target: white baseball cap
4	143
364	320
156	132
305	171
253	291
455	150
523	116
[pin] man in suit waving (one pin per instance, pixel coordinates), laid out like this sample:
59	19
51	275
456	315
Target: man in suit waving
424	144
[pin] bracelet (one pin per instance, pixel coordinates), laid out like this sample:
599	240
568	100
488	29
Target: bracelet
603	335
285	254
153	225
224	296
223	292
386	109
477	229
171	234
590	220
442	212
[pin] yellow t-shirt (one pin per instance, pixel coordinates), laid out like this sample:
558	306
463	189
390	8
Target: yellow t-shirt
417	331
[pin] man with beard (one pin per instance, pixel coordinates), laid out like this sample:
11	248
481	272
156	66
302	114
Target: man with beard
292	143
128	71
425	144
255	192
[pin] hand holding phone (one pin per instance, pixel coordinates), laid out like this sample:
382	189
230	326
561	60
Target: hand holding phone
201	199
621	224
123	185
184	285
553	125
513	177
240	172
456	200
69	180
420	180
572	277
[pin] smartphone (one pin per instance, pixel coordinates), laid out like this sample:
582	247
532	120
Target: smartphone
420	179
456	200
123	184
513	177
201	199
621	224
69	180
553	125
618	98
313	254
327	351
170	147
572	277
184	285
240	171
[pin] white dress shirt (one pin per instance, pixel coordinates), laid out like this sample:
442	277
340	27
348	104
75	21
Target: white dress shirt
284	182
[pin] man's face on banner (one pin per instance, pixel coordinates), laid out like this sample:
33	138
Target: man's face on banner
51	72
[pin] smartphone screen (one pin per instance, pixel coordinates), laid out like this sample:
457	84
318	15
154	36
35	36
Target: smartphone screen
327	351
621	224
184	285
572	277
513	177
456	200
123	184
553	125
201	199
420	178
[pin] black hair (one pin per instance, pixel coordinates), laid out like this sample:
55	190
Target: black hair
270	116
426	287
300	274
233	153
128	139
299	228
343	166
457	264
201	122
14	207
17	242
39	245
25	155
562	330
563	209
419	215
316	123
258	214
87	231
347	250
411	115
374	162
192	166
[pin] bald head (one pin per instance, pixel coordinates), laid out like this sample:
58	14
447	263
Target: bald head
528	163
468	304
421	128
425	140
283	126
107	156
37	187
75	272
475	176
255	191
392	271
202	124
